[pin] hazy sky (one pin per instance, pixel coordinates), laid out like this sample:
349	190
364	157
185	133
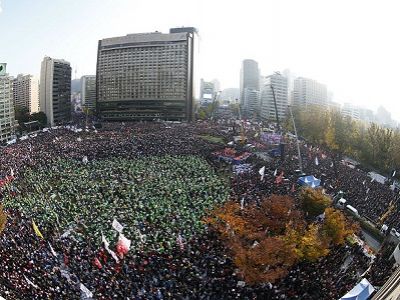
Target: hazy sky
350	45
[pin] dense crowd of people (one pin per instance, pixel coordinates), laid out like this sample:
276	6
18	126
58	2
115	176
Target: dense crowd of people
78	182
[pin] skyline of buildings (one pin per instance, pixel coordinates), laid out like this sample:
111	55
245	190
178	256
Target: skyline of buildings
55	90
147	76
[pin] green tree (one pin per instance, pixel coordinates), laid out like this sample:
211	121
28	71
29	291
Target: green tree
40	117
314	201
21	114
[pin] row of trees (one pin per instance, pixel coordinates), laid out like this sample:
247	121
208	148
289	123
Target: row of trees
22	116
371	144
267	240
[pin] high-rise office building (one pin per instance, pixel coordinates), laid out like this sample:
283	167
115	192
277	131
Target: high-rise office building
352	111
309	92
55	90
26	92
249	81
274	84
88	92
251	103
207	92
147	76
7	119
230	95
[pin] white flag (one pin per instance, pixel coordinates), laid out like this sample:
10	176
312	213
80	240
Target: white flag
316	161
12	172
124	242
255	244
52	250
85	290
276	172
261	172
394	173
106	246
179	241
117	226
66	234
242	203
30	282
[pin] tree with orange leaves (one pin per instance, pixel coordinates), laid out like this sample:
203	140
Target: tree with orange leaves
307	243
3	219
253	235
336	227
266	261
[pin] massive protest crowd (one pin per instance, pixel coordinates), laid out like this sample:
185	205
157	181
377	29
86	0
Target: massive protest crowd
154	179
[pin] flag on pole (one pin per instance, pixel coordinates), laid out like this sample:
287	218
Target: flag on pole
85	291
30	282
106	246
52	250
36	229
123	245
117	226
97	263
179	241
261	172
279	179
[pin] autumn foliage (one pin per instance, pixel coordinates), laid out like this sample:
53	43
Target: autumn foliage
314	201
267	240
336	227
3	219
255	236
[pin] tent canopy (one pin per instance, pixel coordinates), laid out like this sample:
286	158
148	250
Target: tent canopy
360	292
310	181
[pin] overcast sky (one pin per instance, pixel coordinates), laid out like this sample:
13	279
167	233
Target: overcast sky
350	45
